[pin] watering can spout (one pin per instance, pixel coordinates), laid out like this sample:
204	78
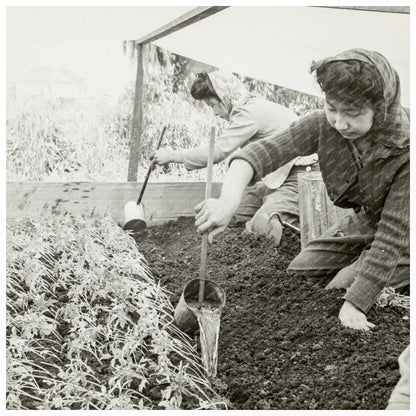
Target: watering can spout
185	318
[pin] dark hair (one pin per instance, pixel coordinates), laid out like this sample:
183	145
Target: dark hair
202	87
351	81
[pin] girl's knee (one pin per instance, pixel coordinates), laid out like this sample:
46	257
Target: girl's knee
309	265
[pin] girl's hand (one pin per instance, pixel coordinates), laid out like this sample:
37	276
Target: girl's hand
212	216
352	317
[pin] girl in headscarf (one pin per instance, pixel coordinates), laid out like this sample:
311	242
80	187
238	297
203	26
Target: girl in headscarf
250	118
362	140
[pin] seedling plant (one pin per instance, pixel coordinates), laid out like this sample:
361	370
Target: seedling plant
88	327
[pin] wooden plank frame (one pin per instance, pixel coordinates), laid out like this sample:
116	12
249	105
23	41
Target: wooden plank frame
163	202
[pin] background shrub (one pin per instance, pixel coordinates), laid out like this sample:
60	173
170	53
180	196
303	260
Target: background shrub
87	139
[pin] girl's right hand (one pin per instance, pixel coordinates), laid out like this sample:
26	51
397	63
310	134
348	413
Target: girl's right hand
212	216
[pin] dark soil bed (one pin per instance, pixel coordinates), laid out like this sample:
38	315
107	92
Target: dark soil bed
281	345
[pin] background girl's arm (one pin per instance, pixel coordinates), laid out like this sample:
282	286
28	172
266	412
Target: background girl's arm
241	128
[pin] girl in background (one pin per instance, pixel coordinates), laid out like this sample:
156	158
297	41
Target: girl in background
250	118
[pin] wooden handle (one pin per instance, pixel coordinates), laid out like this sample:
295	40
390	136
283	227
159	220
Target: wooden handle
204	245
150	168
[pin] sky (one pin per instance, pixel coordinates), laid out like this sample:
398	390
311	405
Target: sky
86	40
85	23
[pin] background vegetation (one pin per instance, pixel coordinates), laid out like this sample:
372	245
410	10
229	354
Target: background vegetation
86	139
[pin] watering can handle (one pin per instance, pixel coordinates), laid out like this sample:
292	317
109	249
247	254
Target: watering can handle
152	164
284	223
204	246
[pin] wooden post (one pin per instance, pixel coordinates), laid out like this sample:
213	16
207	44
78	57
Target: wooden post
137	122
316	211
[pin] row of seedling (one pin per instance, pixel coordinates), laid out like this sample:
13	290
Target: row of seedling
88	328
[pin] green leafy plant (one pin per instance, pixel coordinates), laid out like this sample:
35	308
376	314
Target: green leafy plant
88	327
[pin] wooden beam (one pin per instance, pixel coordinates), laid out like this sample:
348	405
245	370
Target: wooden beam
383	9
316	211
137	121
187	19
164	201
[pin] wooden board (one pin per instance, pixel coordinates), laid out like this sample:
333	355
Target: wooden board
137	119
162	201
193	16
383	9
316	211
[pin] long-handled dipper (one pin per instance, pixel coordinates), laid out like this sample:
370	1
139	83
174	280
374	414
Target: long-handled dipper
134	210
204	245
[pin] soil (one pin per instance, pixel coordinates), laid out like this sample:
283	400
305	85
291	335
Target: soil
281	345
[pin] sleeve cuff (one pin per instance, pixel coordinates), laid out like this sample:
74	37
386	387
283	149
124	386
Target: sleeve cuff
363	293
191	160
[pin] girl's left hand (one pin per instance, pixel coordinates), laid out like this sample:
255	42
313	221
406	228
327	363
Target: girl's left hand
352	317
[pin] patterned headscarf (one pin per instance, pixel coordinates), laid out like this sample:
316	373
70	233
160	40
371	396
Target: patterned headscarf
391	130
230	90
